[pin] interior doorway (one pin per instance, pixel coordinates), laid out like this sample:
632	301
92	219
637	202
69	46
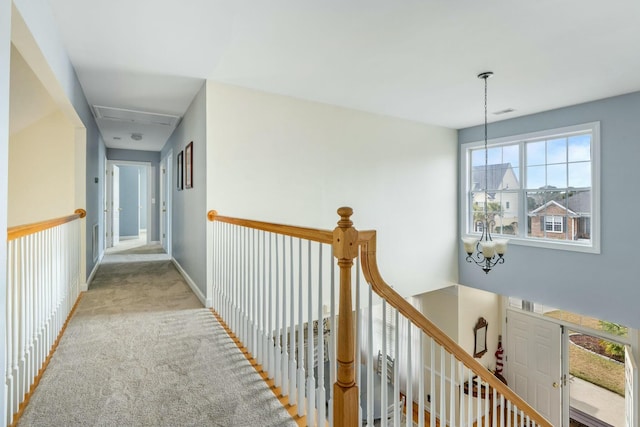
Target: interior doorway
128	211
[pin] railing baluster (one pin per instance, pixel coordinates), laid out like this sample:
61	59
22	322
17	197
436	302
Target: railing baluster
369	363
320	391
359	343
277	334
285	348
300	358
421	378
443	387
332	338
409	381
385	367
311	384
396	369
452	390
292	330
264	327
271	326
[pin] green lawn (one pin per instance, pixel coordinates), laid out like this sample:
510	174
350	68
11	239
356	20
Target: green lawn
597	370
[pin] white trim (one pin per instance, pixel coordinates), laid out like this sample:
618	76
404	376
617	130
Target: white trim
149	171
570	245
205	302
85	286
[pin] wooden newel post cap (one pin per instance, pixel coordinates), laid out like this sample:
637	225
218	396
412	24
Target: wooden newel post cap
345	237
212	215
80	212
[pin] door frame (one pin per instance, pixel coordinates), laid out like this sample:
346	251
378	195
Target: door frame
166	192
149	201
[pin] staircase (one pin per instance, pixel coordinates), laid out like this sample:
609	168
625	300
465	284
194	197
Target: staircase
313	329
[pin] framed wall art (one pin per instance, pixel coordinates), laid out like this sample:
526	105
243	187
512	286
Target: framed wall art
180	171
188	166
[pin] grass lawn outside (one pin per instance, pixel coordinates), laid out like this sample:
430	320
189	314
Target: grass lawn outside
596	369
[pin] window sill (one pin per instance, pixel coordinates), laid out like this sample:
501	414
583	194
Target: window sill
546	244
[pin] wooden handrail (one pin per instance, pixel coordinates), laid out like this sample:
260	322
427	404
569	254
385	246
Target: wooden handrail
313	234
345	240
27	229
380	287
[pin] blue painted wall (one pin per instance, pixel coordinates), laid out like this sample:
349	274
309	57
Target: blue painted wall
603	285
188	221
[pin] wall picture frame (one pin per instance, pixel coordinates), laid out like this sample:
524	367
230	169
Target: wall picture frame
180	171
188	166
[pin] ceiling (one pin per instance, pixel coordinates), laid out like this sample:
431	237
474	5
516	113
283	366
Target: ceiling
414	59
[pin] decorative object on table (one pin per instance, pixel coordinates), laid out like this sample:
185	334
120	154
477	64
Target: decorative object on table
485	252
499	356
480	338
188	166
180	171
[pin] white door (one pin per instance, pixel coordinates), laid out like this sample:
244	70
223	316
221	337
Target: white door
534	363
115	205
631	388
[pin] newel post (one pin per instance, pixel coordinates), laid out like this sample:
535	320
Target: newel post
345	391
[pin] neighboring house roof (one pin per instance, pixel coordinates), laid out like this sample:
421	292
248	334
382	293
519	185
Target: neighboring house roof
495	176
578	204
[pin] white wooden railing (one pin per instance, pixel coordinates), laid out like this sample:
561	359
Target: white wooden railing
277	289
43	284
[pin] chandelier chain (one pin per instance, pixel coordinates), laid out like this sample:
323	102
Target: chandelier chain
486	153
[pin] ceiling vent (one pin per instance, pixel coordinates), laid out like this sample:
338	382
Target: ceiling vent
137	117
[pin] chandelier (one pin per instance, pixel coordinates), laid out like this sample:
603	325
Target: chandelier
485	252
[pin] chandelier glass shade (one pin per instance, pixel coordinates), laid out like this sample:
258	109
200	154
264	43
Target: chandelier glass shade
485	252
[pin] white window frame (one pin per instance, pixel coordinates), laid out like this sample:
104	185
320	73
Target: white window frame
521	238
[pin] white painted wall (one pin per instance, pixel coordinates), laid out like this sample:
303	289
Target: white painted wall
441	307
5	67
42	171
473	304
291	161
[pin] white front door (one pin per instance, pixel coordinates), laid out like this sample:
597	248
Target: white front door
115	204
534	363
631	388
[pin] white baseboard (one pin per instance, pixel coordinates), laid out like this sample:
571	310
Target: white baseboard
85	286
192	284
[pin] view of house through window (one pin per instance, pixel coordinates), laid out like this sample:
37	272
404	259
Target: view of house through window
538	188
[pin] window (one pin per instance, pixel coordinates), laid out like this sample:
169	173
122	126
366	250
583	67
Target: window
541	188
553	223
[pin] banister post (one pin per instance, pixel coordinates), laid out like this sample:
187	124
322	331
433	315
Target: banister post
345	391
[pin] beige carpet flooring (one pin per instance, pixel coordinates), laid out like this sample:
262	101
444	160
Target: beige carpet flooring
142	351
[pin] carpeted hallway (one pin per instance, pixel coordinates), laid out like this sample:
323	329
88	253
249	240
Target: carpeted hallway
142	351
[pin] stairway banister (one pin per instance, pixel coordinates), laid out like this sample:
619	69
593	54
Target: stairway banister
380	287
18	231
313	234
